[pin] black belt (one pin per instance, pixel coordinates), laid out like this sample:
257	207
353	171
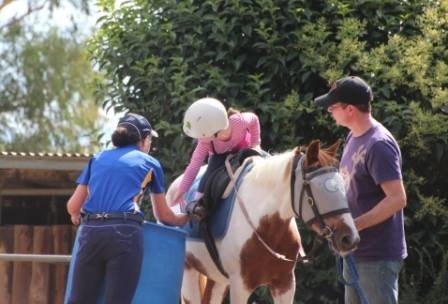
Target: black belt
125	216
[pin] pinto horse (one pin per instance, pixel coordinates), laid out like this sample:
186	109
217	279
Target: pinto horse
262	242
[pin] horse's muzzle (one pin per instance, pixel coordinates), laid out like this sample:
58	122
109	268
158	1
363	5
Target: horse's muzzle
345	240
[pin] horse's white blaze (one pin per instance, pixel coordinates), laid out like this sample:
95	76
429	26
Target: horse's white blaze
348	220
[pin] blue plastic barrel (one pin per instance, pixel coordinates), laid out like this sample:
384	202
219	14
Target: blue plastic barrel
162	269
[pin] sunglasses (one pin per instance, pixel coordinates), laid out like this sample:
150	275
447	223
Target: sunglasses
337	105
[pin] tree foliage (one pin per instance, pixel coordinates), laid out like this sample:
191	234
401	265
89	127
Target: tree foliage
274	57
46	89
35	6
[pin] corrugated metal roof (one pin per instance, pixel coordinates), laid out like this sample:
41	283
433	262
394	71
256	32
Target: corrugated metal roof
43	160
44	154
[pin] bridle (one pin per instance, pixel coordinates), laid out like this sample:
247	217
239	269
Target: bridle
306	194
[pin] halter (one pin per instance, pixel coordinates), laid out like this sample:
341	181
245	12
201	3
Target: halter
312	212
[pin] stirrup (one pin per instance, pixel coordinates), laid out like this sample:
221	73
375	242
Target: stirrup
195	210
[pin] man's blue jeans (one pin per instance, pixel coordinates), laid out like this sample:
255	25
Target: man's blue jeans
378	280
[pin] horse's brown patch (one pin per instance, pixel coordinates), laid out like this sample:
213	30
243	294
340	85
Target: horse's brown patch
278	288
192	262
259	266
206	298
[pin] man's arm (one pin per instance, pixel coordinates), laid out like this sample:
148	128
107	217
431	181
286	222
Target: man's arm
394	201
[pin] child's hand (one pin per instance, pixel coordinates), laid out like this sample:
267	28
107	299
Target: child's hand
178	199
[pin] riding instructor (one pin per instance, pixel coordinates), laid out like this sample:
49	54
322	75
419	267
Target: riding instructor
106	203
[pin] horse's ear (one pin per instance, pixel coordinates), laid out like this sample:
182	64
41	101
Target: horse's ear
333	149
312	152
299	150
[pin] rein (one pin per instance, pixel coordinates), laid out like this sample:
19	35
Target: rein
353	274
249	221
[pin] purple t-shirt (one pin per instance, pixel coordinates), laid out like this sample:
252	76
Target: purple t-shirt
367	161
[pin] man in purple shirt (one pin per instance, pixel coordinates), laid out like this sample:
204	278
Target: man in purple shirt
371	169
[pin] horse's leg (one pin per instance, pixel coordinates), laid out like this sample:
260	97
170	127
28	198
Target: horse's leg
238	292
282	291
192	286
214	292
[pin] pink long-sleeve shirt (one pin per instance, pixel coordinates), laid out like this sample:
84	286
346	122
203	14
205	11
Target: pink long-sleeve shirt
245	133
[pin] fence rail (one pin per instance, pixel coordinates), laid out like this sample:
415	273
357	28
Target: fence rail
43	258
34	263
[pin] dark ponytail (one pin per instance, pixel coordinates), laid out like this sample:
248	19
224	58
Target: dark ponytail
125	135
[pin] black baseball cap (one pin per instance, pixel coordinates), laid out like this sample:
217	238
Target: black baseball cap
140	123
350	90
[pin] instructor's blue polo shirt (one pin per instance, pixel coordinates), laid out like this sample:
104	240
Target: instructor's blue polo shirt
117	179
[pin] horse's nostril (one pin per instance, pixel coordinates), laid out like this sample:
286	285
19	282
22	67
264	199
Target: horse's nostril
346	240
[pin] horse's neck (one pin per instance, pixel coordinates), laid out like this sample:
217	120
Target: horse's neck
266	189
269	183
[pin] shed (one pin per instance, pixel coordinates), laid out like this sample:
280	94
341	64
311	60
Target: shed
34	189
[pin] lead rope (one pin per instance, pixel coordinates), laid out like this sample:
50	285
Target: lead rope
353	274
246	215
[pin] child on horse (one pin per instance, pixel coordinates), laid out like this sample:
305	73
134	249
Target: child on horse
219	132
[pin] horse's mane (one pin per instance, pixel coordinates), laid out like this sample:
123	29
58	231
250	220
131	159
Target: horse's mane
266	168
282	163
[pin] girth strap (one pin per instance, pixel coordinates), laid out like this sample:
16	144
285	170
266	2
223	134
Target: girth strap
211	246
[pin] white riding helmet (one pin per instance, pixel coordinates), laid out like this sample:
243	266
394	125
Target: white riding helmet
205	117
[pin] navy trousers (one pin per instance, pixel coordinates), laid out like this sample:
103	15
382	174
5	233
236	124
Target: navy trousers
110	251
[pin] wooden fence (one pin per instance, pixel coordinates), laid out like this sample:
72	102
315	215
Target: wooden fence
34	282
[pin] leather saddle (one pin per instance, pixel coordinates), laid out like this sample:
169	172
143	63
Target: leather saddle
216	186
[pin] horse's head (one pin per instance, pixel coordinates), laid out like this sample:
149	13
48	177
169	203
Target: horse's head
319	197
